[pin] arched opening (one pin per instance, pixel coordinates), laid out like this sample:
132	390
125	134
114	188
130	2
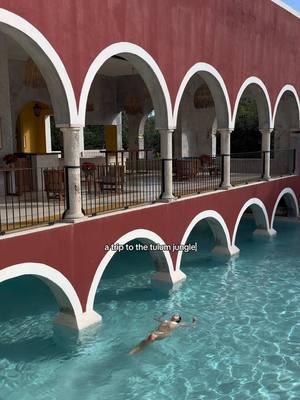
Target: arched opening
140	248
201	108
208	234
29	80
34	278
286	120
121	88
285	208
251	139
27	310
127	277
252	221
34	87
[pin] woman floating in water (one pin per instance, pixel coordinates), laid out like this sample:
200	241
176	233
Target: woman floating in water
164	329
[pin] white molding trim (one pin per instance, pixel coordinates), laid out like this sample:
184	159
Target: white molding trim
281	194
201	67
247	82
20	24
250	202
286	88
286	7
208	214
132	235
44	271
115	49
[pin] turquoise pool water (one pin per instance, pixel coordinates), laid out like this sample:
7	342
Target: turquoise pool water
246	344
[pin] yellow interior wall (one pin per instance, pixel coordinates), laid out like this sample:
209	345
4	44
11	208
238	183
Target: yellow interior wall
32	129
110	135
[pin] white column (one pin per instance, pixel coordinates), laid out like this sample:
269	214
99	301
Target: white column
81	142
167	170
266	148
141	145
72	170
141	139
118	121
225	153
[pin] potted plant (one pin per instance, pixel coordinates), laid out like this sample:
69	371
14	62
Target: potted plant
10	159
88	168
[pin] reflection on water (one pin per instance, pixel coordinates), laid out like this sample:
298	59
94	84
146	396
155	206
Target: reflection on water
246	343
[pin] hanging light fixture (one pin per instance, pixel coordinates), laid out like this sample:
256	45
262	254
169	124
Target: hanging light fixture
33	78
37	110
132	104
203	97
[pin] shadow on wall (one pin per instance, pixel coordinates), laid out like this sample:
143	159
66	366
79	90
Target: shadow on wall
129	262
246	228
204	237
27	296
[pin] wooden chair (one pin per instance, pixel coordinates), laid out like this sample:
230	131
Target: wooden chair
112	178
186	169
54	180
208	165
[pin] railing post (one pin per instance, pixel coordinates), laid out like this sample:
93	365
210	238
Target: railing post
294	161
225	154
295	144
72	177
167	168
266	150
263	165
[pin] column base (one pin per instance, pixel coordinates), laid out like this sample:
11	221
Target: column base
163	280
225	186
265	232
266	178
226	251
71	217
84	321
166	199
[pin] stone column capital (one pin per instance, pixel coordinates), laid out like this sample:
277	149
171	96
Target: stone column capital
70	129
266	131
164	131
225	131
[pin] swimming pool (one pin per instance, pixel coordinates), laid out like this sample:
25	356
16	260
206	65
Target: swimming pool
246	343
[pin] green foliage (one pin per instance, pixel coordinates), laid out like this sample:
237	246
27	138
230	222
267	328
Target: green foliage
56	137
124	131
94	137
246	136
152	137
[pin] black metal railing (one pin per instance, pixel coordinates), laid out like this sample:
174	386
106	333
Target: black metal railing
196	175
246	167
283	162
30	197
119	185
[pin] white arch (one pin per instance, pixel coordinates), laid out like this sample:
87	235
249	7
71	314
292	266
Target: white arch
285	191
134	50
9	19
258	82
262	220
204	68
286	88
215	217
48	273
132	235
